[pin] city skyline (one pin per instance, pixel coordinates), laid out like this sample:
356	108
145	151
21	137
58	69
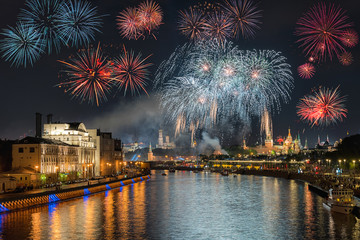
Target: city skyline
29	90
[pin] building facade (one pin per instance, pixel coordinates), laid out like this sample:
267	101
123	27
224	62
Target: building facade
74	134
50	157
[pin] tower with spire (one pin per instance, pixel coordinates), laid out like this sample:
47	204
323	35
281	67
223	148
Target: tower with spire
150	154
306	144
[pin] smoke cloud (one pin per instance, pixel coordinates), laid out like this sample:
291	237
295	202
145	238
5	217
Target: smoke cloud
138	120
210	145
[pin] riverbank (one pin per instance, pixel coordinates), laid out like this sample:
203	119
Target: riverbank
15	202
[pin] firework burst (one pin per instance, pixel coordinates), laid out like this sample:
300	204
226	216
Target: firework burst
346	58
130	71
129	23
78	22
43	16
140	21
192	23
217	26
306	71
321	31
21	45
350	38
208	83
322	108
244	16
88	76
150	15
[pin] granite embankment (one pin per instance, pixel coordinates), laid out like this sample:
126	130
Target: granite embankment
31	200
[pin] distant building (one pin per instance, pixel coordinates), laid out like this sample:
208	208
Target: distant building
132	147
288	146
150	154
167	144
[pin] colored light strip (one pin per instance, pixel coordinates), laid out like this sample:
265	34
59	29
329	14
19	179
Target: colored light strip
53	198
3	209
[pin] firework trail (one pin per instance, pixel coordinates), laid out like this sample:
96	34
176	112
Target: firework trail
21	45
322	108
321	31
78	21
88	76
206	83
244	17
306	71
43	16
192	24
130	71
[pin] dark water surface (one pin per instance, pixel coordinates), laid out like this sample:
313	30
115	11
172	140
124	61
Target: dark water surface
186	205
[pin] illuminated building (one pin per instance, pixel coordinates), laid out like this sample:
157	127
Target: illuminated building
289	145
50	157
75	134
108	152
150	154
167	144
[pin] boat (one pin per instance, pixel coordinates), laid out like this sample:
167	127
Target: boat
224	173
172	170
340	200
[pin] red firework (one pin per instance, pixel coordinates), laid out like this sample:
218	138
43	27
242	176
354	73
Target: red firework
88	76
306	71
350	38
244	16
150	15
129	23
321	31
130	71
323	108
346	58
191	24
218	26
140	21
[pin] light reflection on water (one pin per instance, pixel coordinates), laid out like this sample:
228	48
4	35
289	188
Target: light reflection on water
186	205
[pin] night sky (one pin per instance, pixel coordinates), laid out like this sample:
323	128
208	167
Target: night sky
26	91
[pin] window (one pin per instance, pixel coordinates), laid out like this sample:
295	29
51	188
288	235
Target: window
32	149
20	178
21	150
25	178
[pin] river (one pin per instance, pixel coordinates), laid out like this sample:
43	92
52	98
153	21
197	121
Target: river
187	205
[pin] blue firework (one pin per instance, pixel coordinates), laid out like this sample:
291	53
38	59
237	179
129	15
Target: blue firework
43	15
78	22
21	45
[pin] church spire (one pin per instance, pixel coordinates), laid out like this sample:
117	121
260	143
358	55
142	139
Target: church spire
306	144
150	148
289	134
319	140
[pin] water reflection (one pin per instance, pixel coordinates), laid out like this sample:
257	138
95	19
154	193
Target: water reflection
187	205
